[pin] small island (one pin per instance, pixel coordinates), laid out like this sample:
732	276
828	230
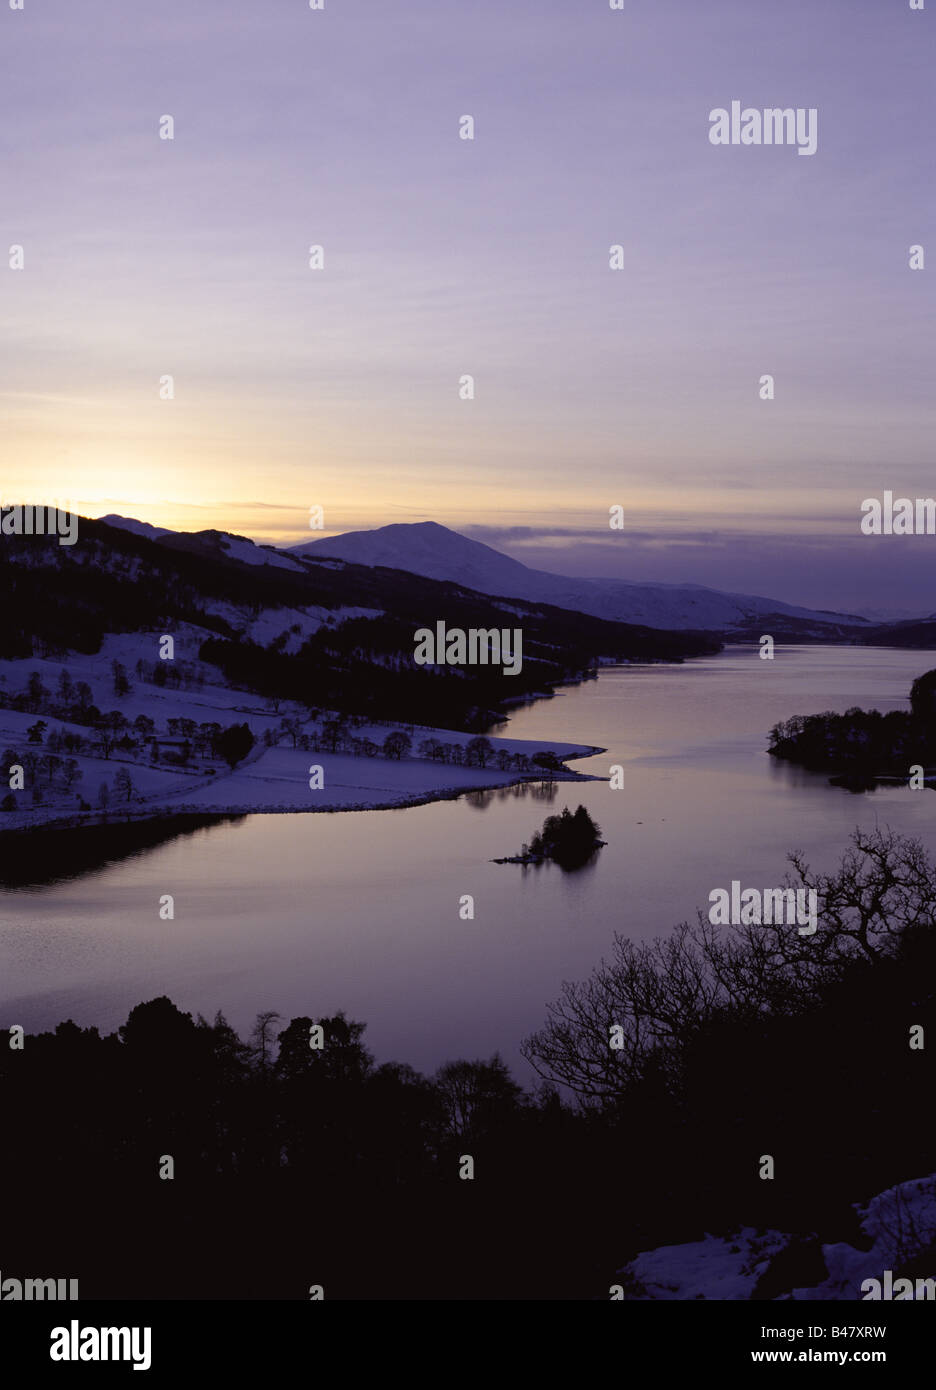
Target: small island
864	747
569	839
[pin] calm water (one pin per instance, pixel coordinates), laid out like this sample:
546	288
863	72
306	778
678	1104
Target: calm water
308	914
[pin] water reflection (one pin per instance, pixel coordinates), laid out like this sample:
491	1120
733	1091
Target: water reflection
484	797
35	858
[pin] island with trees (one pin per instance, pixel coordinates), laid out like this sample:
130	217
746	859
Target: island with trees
569	839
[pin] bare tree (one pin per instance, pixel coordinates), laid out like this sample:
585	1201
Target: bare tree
397	745
123	783
263	1036
658	995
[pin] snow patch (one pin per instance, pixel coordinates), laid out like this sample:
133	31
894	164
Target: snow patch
900	1222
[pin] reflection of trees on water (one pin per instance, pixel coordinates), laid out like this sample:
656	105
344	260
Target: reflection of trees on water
581	871
519	791
48	855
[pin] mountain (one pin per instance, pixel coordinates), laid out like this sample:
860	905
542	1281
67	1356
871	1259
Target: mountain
136	528
435	552
323	632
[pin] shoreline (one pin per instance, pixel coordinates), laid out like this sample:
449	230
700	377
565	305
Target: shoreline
392	800
274	778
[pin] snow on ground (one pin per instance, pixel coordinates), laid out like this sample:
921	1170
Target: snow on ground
900	1223
708	1268
273	622
270	779
160	702
418	732
239	548
280	781
270	623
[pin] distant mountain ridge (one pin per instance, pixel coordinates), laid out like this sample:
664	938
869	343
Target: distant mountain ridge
434	551
323	632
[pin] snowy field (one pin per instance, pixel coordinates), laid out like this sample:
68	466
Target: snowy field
278	778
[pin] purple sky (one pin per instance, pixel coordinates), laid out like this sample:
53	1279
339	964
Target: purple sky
594	387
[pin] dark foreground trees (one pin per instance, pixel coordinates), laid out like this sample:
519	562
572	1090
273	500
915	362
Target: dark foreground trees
234	743
730	1043
878	905
297	1159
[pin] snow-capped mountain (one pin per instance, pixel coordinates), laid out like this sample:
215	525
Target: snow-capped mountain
435	552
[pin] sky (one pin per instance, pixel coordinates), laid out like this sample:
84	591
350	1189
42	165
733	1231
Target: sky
146	258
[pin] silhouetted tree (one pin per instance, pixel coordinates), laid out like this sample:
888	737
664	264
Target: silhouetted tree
923	698
397	745
476	1096
234	743
123	783
478	751
119	675
262	1037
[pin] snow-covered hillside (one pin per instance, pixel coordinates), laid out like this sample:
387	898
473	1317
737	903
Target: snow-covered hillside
159	763
437	553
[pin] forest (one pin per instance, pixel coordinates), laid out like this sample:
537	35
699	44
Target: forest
865	742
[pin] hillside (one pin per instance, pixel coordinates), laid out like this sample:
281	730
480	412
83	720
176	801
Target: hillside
330	633
438	553
274	657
